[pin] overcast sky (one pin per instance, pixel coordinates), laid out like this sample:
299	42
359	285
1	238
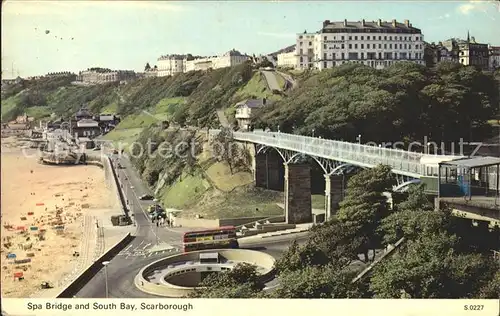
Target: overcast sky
126	35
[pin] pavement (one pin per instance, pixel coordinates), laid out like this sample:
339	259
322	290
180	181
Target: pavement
272	82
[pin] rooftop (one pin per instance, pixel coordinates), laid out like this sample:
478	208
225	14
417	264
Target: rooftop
376	25
252	103
474	162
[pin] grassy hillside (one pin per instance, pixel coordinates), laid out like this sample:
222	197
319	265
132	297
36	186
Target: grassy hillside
193	180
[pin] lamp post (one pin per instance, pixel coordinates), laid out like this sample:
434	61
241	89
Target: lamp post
156	219
359	139
105	264
131	206
428	147
313	132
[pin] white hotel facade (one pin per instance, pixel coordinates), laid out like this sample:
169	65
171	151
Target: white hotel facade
377	44
170	65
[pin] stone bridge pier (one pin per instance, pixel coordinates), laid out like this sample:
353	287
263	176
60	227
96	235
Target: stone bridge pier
295	179
269	171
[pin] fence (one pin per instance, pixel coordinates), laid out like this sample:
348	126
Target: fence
402	161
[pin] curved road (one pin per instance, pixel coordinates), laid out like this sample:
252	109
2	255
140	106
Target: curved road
123	268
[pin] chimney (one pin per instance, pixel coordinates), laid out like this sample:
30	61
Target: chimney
264	101
326	22
379	22
345	22
363	22
407	23
394	23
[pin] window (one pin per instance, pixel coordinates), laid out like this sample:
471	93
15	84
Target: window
353	56
362	56
300	43
390	45
368	38
301	51
385	38
367	45
343	46
390	38
310	43
355	38
385	46
350	46
301	59
379	55
380	38
405	46
324	56
379	46
401	38
325	38
356	46
405	38
400	46
362	46
324	46
350	37
342	37
324	65
362	37
300	37
342	55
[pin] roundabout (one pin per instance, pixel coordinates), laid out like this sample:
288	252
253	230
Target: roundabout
178	275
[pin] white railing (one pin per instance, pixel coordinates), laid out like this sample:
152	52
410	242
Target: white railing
402	162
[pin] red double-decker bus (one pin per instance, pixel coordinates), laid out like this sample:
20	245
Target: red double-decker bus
218	238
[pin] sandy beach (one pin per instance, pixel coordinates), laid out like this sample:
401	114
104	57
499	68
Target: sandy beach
43	209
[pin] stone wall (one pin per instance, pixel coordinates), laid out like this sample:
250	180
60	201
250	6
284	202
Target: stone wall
298	193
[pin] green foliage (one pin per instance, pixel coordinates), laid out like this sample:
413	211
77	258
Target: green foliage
364	205
298	257
430	268
411	101
315	282
241	282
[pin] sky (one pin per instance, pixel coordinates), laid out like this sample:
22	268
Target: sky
127	34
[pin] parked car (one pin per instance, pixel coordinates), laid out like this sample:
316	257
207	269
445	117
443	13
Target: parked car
145	197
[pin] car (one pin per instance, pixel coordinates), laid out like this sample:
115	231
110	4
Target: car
146	197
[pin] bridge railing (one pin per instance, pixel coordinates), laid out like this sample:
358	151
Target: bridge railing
402	161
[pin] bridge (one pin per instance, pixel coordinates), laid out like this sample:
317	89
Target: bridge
338	159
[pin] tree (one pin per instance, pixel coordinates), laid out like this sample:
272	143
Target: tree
241	282
315	282
417	200
298	257
147	67
337	241
429	267
364	205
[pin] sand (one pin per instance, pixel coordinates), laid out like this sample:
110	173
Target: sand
74	190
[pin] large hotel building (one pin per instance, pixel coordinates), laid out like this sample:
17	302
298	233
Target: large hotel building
377	44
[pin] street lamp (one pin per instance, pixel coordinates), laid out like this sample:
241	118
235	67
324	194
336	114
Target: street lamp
156	217
313	132
359	139
428	147
105	264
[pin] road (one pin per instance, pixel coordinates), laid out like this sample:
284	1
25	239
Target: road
123	268
129	261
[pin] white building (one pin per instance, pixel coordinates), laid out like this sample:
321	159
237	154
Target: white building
170	65
494	61
244	111
376	44
287	60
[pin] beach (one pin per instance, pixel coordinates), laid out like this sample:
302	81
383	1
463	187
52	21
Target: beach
43	210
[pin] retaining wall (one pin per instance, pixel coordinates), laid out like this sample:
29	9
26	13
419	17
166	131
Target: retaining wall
214	223
86	275
251	256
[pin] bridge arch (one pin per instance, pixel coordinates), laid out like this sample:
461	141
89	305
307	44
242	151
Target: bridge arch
403	187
